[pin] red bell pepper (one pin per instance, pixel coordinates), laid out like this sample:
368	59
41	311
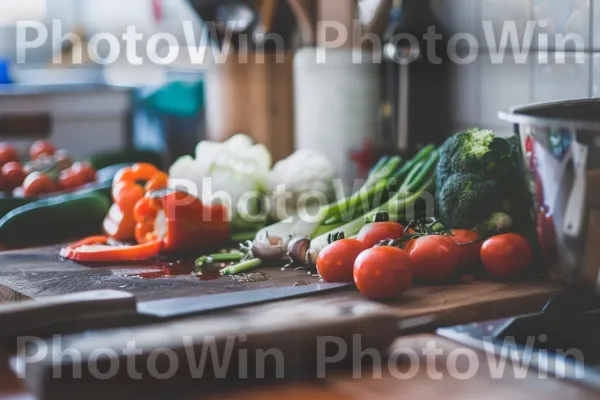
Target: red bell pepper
181	221
119	223
98	249
166	221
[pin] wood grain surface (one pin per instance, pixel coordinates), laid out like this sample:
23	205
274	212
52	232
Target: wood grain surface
39	272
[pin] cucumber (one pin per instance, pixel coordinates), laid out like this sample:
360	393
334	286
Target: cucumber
9	203
103	186
129	156
55	219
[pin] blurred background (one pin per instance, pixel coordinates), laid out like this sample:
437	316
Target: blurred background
286	100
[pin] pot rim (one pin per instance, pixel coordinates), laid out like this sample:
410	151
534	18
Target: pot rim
520	115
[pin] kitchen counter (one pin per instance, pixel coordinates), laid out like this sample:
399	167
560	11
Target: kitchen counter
25	274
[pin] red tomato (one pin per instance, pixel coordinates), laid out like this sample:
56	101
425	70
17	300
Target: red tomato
38	183
85	171
434	258
382	273
70	179
7	154
373	234
41	148
13	175
336	261
469	245
506	256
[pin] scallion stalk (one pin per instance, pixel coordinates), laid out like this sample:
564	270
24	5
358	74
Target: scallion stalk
219	257
241	267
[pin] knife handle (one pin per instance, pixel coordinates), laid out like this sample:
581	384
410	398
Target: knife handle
52	314
298	333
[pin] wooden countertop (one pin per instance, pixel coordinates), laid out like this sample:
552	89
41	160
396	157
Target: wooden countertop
37	273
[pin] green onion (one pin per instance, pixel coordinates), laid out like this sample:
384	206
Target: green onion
219	257
241	267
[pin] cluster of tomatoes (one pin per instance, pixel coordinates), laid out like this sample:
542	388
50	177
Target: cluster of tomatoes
383	271
48	171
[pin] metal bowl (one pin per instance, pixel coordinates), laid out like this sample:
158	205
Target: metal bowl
561	149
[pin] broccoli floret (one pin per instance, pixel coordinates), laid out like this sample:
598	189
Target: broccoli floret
470	154
447	152
479	178
465	200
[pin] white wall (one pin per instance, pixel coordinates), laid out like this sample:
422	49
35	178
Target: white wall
483	88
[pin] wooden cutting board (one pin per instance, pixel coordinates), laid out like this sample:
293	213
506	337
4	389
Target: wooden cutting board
39	272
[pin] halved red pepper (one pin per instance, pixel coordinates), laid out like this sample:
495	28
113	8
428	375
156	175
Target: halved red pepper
98	249
119	223
181	221
166	221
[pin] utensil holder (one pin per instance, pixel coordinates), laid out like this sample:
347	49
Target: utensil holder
253	94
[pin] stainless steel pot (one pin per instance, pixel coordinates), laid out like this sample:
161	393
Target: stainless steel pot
561	148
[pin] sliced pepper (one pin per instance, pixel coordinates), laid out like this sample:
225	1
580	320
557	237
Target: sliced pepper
181	221
119	223
98	249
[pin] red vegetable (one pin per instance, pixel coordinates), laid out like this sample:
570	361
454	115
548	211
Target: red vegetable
336	261
433	258
506	256
97	249
41	148
382	273
120	223
7	154
373	234
469	246
69	179
38	183
181	221
13	175
85	171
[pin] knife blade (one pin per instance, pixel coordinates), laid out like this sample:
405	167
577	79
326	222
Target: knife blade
111	308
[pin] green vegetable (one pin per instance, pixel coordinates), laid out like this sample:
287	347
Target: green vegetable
241	267
479	178
388	178
219	257
466	199
373	189
410	202
55	219
128	156
9	203
495	224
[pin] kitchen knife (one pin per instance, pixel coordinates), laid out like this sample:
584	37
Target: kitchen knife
110	308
